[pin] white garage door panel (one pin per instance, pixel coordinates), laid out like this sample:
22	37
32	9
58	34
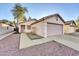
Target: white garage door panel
54	29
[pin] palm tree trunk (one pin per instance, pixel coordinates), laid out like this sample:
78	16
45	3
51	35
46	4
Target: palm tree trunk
17	28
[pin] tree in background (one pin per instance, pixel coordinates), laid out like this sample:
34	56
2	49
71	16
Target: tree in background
31	19
77	22
24	19
19	14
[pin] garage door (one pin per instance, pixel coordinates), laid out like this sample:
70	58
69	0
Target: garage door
54	29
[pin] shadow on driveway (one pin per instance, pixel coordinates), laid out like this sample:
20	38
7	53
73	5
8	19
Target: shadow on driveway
33	36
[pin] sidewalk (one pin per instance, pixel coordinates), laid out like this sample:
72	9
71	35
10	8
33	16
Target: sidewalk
5	35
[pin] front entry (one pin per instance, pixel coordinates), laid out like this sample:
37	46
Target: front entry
22	28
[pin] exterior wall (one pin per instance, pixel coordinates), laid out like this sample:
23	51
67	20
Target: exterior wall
5	25
27	30
0	25
39	28
45	29
6	29
72	29
53	20
28	23
25	23
66	28
69	29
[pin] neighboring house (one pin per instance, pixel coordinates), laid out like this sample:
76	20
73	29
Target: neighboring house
70	27
48	26
25	26
5	28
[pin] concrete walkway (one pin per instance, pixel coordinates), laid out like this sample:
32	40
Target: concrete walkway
25	41
67	40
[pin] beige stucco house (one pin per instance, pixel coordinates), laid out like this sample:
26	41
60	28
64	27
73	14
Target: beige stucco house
70	27
49	25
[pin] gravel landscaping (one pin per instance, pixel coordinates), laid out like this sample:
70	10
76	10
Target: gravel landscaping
48	49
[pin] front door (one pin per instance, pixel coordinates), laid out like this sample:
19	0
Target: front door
22	28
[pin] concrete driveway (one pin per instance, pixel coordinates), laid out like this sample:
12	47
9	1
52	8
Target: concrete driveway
71	41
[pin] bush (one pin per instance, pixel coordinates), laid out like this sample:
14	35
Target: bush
16	29
77	30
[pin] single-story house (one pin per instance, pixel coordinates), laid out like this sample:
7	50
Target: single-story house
70	26
49	25
3	25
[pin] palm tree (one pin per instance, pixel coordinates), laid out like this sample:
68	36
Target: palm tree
77	22
18	12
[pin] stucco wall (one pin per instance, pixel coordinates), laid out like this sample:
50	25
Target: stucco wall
26	24
66	28
4	30
53	20
39	28
69	29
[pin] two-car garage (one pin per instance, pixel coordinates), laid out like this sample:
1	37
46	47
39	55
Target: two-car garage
49	25
54	29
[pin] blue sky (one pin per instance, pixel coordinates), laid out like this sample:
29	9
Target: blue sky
38	10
